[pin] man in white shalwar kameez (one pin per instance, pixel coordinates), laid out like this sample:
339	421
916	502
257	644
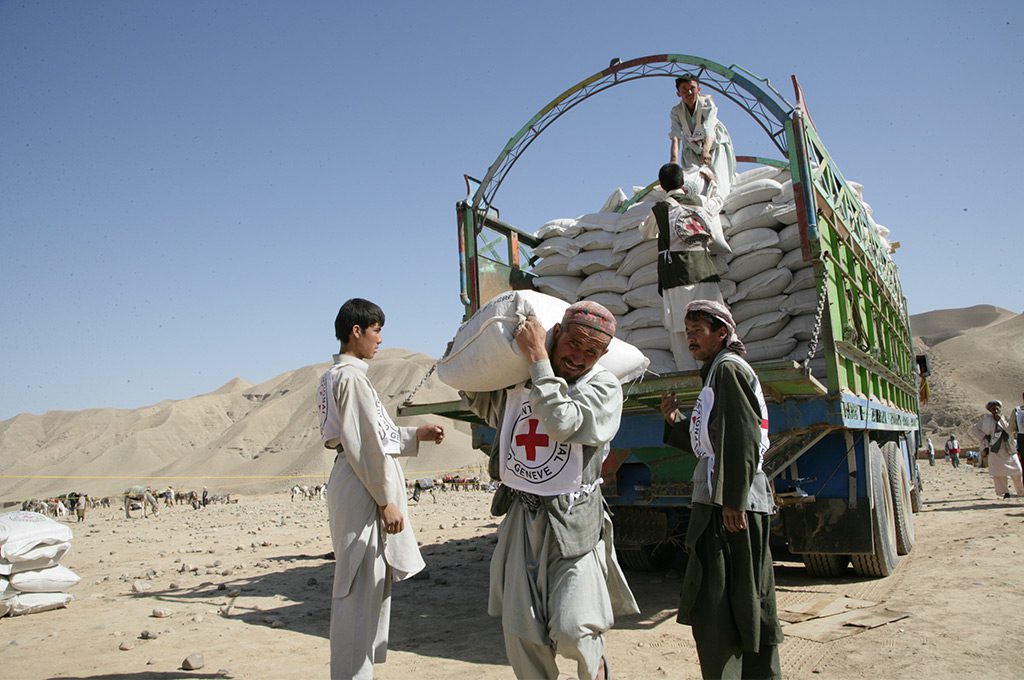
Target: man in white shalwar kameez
994	433
555	581
704	139
373	541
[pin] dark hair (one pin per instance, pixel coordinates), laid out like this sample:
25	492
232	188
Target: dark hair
685	78
670	176
698	315
356	312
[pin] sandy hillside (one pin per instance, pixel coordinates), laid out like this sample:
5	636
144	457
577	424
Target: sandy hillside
250	438
249	432
247	587
977	354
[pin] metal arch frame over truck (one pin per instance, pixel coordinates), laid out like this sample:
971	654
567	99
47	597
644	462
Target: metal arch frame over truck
821	434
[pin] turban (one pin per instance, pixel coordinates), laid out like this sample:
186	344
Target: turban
591	315
722	313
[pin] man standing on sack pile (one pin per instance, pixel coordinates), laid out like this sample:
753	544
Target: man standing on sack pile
686	271
728	592
704	138
554	578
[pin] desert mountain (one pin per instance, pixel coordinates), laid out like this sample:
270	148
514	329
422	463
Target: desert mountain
977	354
248	438
240	437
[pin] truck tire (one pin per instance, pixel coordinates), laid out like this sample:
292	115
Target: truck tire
647	557
884	559
903	515
916	491
825	565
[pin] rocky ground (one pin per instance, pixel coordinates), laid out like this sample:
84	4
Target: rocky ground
243	590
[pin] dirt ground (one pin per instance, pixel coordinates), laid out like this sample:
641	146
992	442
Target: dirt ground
247	586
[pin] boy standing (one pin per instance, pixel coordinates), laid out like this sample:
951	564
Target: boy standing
365	495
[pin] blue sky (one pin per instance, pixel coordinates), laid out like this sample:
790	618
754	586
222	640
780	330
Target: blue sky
189	190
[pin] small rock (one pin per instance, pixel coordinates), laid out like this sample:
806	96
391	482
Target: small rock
147	635
277	623
312	581
161	613
193	662
126	646
441	581
140	587
198	618
234	592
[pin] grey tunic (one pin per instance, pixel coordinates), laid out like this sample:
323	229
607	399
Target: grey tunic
566	534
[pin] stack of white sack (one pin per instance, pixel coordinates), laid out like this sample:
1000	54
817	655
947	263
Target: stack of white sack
768	285
31	576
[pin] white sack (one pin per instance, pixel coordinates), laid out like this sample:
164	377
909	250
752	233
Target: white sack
552	265
727	287
617	198
789	237
751	264
799	327
562	287
662	361
644	296
594	240
801	302
650	338
751	217
645	253
644	317
762	327
625	240
794	259
33	603
557	245
590	261
802	280
566	226
769	350
753	239
52	580
608	221
785	212
611	301
644	276
766	284
757	172
757	191
49	556
786	194
748	309
24	535
485	356
604	281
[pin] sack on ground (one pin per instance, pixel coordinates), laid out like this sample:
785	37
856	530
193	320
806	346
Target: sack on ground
52	580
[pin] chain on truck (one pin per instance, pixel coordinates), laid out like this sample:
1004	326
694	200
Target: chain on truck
842	456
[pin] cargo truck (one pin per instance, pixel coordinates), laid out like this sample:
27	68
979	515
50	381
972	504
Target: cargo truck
843	439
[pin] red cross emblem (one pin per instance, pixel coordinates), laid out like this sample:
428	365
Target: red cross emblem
532	440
